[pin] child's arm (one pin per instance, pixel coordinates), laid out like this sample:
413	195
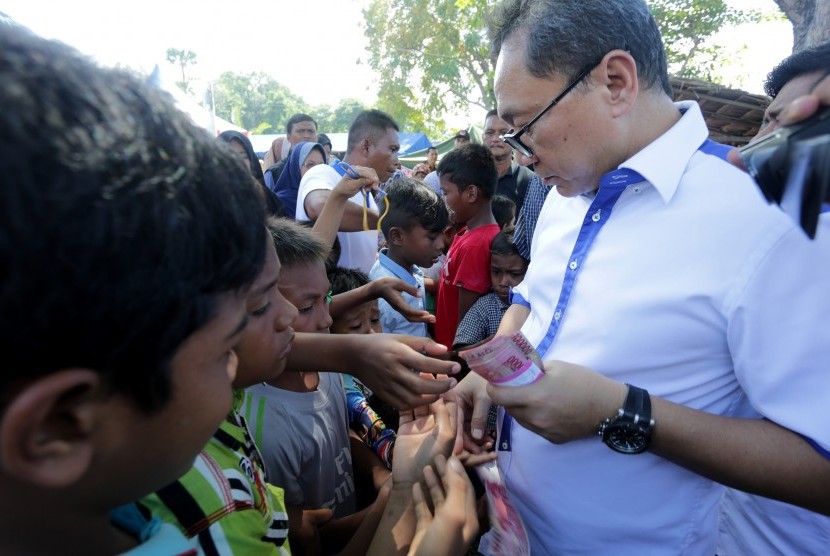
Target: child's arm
466	298
383	362
421	437
513	319
455	523
366	463
304	528
386	288
430	285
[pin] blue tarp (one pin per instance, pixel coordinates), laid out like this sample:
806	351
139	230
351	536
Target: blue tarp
413	142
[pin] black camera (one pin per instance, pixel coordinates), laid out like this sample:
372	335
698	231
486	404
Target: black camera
792	168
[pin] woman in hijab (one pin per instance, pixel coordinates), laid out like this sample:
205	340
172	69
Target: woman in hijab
303	157
242	146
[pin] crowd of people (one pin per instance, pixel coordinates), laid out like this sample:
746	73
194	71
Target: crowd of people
205	357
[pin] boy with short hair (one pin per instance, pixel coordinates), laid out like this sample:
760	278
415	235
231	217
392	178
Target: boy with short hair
299	419
468	178
114	335
413	228
225	501
507	270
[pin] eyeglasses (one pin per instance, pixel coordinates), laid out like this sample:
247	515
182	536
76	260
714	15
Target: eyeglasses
512	138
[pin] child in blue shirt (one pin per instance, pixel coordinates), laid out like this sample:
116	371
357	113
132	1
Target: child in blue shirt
413	228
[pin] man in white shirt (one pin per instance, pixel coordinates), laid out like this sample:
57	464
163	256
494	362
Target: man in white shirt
660	266
373	142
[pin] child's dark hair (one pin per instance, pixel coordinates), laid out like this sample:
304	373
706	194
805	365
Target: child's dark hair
411	203
504	210
122	222
343	280
295	243
502	244
471	164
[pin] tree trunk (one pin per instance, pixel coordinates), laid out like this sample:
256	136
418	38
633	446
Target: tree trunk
810	19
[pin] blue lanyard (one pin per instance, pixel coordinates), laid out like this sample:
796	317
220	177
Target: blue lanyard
611	186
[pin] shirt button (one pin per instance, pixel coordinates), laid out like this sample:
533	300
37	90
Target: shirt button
596	216
557	315
504	445
573	265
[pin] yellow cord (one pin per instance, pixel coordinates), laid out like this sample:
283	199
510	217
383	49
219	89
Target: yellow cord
366	212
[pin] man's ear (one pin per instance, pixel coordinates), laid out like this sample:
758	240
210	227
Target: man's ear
618	74
46	431
365	144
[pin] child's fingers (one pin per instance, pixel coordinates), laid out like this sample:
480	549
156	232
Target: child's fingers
436	491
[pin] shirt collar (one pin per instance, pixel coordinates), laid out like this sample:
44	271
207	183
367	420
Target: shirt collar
663	161
396	269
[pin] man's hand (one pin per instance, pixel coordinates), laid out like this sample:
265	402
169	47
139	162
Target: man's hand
389	364
390	289
348	187
567	403
455	523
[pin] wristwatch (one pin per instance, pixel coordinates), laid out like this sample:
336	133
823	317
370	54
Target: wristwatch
629	431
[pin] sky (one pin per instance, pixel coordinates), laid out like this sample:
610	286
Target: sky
311	46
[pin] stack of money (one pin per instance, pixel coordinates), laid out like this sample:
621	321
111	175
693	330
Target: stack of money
505	361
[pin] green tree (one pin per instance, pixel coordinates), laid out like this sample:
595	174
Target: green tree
432	56
688	26
183	59
338	119
256	101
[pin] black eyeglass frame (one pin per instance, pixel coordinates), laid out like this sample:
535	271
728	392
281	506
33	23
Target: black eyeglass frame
512	138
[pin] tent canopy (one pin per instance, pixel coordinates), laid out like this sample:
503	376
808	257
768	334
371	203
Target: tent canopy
410	142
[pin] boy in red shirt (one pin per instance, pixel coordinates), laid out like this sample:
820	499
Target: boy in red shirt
468	179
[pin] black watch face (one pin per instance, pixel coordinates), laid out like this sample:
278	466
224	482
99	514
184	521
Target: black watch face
626	438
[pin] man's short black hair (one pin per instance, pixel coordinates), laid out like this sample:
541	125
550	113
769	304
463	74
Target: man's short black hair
343	280
122	223
811	60
490	113
369	124
296	119
432	149
471	164
412	203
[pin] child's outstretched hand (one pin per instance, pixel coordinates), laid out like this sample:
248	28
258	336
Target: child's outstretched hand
454	524
390	290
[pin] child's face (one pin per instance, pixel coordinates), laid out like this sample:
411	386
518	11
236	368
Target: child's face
455	199
306	286
202	371
506	271
363	319
419	246
266	341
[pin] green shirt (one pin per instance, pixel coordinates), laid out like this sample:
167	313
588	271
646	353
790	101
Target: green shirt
224	500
